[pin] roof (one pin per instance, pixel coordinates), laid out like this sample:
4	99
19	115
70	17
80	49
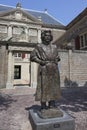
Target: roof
77	26
76	19
46	18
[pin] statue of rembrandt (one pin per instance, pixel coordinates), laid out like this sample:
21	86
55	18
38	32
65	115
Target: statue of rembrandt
48	84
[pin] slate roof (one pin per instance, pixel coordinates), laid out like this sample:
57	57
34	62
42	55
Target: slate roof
5	8
45	17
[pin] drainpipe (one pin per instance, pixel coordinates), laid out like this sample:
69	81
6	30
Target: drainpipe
69	47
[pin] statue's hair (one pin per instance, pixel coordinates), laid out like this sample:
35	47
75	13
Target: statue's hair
43	33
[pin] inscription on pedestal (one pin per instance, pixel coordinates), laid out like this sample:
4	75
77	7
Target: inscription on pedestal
56	125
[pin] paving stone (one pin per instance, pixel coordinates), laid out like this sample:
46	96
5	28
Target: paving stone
15	105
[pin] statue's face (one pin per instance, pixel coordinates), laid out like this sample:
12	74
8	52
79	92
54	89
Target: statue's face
47	38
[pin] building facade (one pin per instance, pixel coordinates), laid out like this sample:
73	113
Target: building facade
20	32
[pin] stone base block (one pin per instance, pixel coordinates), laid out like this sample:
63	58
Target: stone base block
59	123
9	85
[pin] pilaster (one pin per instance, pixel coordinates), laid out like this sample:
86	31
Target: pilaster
9	83
9	31
70	62
39	36
34	68
26	31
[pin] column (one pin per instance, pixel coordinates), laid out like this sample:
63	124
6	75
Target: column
70	62
34	68
9	31
32	73
10	77
39	36
35	74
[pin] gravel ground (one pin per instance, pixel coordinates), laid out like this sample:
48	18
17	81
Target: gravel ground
15	105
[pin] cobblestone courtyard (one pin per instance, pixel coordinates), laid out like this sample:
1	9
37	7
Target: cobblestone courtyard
15	104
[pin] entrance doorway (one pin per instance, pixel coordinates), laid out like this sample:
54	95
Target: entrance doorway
17	72
22	69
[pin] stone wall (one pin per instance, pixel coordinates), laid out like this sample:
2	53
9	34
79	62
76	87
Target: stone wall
63	66
3	66
73	68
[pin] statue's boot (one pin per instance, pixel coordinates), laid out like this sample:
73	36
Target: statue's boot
43	105
51	104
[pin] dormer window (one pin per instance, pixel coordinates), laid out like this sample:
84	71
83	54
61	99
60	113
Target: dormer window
18	55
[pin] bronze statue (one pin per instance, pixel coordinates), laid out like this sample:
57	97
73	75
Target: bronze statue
48	84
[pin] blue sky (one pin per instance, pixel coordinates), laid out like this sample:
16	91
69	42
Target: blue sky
63	10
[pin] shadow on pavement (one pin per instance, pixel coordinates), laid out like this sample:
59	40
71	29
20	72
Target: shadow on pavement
5	101
74	100
34	107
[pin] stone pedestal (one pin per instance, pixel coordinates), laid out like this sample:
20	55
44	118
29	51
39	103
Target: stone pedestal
66	122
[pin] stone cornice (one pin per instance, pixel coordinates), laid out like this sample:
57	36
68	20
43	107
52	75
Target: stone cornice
18	44
20	48
53	26
20	21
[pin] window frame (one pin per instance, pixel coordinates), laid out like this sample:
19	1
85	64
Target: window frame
18	55
83	43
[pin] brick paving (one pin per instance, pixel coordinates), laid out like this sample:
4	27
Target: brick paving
15	105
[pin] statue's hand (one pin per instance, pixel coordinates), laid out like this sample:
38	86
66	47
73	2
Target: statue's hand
57	59
42	63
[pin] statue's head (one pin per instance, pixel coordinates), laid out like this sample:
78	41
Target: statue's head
46	37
